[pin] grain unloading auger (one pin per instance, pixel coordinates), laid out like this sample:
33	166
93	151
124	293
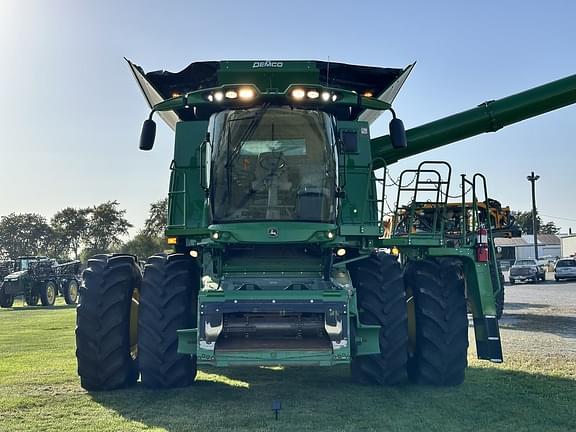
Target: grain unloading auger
275	218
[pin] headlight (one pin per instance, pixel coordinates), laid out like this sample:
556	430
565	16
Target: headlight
246	93
298	94
313	94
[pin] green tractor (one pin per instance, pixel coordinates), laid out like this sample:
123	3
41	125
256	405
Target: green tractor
275	217
38	279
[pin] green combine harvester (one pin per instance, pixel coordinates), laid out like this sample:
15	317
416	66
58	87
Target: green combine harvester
276	218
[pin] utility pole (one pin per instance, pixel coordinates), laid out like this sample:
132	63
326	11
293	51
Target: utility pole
532	179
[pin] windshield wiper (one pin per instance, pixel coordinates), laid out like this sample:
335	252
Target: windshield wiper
248	132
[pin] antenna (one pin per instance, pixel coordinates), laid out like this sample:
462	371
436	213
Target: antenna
328	72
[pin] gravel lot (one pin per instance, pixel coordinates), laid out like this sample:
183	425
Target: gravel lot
540	318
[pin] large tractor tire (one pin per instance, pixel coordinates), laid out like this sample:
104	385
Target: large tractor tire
32	299
48	293
440	340
71	292
168	302
6	300
106	316
381	298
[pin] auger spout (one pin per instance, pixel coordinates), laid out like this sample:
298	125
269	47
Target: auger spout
487	117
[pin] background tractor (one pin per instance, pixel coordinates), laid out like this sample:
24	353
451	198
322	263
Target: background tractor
39	278
458	218
275	215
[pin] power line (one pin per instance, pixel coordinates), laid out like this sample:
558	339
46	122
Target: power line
558	217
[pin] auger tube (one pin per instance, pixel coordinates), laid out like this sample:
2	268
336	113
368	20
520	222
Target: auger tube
487	117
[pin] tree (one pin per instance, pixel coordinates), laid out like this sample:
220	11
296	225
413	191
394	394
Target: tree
106	225
24	234
70	226
143	245
57	246
524	222
157	219
150	239
549	228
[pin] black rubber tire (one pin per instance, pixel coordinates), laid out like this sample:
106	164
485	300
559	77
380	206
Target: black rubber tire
48	293
168	302
440	356
32	299
381	298
71	292
6	300
512	281
103	323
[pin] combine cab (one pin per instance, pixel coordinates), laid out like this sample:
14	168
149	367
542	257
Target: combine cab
276	219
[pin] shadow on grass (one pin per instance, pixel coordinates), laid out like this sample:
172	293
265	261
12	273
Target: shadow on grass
326	399
564	326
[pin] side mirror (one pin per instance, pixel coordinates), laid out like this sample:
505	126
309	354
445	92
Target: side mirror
148	135
398	134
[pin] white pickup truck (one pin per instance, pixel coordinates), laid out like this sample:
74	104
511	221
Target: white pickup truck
527	269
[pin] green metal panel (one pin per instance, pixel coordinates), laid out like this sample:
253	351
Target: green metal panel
276	358
218	296
273	261
319	357
487	117
358	213
261	232
187	341
186	196
367	340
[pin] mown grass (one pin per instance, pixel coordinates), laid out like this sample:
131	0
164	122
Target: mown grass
39	390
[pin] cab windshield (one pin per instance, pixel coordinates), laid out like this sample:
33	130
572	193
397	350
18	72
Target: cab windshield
273	164
525	262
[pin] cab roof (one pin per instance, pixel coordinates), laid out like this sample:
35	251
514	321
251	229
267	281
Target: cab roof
157	86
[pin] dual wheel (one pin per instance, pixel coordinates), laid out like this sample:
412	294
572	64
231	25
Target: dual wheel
126	324
46	294
422	318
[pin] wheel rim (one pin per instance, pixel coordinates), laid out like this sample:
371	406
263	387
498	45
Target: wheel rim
135	303
51	293
73	291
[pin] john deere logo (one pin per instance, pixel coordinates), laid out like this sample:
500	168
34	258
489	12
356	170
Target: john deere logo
267	63
273	232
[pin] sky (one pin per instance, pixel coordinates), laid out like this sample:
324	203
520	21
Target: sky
71	113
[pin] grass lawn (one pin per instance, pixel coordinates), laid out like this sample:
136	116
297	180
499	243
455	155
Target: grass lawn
39	391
